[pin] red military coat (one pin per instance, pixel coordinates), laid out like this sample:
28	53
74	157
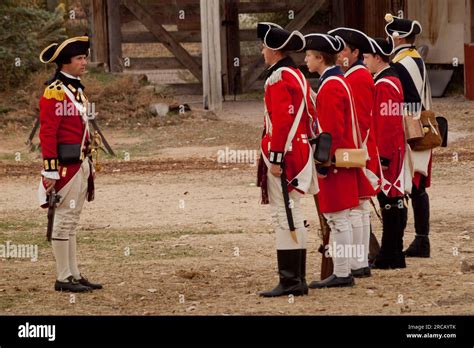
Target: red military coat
283	98
363	89
342	187
60	123
389	131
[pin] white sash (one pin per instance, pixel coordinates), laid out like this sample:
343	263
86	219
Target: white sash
82	111
355	126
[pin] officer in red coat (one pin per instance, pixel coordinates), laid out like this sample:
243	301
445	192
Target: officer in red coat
64	139
285	142
417	95
389	133
340	188
350	59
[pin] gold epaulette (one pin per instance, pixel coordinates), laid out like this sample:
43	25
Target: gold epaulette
54	91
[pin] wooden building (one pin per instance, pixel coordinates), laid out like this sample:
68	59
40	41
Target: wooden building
176	25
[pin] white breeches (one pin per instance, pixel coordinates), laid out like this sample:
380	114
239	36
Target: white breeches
360	220
73	196
279	219
341	246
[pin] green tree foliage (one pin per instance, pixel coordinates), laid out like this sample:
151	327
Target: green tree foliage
26	28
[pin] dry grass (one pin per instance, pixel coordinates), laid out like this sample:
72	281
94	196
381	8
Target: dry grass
120	100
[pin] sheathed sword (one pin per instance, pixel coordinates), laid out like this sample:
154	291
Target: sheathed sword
288	205
53	199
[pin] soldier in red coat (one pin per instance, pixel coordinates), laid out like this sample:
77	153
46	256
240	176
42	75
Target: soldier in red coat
286	152
350	59
389	133
340	187
417	95
64	139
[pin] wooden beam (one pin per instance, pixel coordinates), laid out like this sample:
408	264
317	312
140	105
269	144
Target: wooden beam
145	17
99	41
374	12
224	45
166	14
298	57
354	12
337	14
115	36
306	13
191	15
179	36
211	55
271	6
147	37
158	63
233	61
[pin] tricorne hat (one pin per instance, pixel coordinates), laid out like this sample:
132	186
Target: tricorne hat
279	39
59	53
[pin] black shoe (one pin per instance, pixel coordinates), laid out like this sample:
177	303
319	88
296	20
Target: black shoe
333	281
303	272
382	263
399	261
71	285
289	270
389	263
420	247
363	272
87	283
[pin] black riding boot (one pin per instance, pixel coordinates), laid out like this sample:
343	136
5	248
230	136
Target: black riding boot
420	247
289	271
400	231
387	257
303	271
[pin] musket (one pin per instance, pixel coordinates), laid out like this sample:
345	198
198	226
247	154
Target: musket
288	204
53	200
106	144
376	211
326	262
33	132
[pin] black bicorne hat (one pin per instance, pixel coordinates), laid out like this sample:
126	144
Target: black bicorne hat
278	39
59	53
401	27
324	43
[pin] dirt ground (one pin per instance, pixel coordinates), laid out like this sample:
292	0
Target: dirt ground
172	231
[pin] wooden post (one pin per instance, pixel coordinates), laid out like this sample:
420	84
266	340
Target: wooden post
469	51
471	21
211	55
114	35
224	45
99	41
232	46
